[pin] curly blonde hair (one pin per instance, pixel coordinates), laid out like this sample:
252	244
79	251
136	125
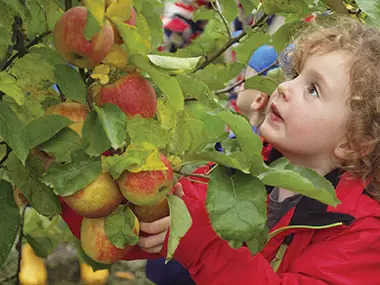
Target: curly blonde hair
362	44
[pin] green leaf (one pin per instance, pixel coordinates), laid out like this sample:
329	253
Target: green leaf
70	83
203	13
195	88
42	246
147	130
237	159
62	145
370	7
114	123
10	220
53	13
136	158
286	6
259	241
153	18
336	5
31	76
16	6
143	28
180	223
248	6
36	19
27	179
167	84
170	62
167	116
282	36
300	180
5	39
262	83
250	44
44	128
67	179
94	138
11	131
95	17
131	37
249	142
8	85
49	54
29	111
180	137
236	206
119	227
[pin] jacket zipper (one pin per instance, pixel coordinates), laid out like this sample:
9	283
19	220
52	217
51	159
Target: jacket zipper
277	260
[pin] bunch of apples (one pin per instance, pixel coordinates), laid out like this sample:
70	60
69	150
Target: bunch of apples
144	192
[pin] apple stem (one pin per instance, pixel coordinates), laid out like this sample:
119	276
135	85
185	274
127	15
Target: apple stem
68	4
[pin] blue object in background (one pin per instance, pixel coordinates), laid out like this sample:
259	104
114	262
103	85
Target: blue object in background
262	58
172	273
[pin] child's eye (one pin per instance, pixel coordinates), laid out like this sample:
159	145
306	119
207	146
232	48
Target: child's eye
312	90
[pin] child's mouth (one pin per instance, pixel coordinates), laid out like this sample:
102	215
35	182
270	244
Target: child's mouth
275	114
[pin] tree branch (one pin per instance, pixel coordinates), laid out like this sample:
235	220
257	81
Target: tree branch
68	4
218	10
9	278
230	43
19	242
232	87
35	41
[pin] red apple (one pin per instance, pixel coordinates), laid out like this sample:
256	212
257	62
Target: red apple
96	200
73	46
146	187
132	93
151	213
74	111
96	244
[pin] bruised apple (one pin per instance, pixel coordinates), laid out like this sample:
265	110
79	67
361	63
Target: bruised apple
133	94
146	187
96	244
72	45
151	213
74	111
97	199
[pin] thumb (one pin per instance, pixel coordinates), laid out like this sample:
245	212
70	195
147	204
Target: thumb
178	191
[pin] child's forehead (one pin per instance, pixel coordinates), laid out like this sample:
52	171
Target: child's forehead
327	62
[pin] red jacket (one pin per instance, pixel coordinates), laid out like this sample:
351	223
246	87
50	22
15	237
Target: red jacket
313	244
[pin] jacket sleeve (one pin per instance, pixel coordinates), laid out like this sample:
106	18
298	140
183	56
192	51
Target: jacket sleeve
339	261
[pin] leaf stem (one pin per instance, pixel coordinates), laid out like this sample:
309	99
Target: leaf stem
191	174
229	43
218	10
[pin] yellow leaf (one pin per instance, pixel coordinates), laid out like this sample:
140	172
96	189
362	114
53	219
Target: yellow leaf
174	160
101	72
97	8
153	161
166	114
125	275
117	57
120	9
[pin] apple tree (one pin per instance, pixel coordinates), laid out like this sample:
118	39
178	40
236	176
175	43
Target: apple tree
94	116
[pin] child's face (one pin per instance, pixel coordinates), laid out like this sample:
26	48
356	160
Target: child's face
306	117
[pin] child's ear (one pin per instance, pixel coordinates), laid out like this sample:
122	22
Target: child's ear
260	102
344	151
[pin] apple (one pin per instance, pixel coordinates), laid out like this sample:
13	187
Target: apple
96	200
96	244
151	213
74	111
72	45
146	187
132	93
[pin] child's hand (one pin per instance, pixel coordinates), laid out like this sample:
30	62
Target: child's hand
157	230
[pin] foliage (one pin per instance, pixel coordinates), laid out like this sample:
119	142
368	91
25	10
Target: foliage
31	66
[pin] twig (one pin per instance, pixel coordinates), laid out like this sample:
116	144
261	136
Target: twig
68	4
188	99
191	174
232	87
229	43
6	156
218	10
19	242
35	41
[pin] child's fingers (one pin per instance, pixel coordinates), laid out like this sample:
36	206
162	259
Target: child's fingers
156	227
178	191
156	249
150	242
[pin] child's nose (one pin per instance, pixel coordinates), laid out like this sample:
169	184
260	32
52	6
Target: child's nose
284	91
